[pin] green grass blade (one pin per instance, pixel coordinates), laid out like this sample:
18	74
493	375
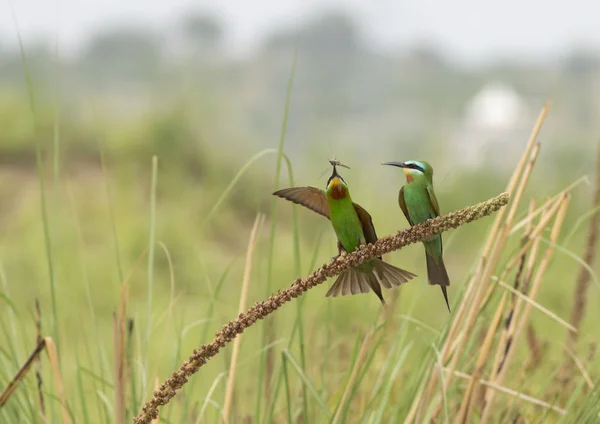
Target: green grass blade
233	183
40	172
111	212
385	395
268	321
300	301
307	382
81	390
151	254
287	387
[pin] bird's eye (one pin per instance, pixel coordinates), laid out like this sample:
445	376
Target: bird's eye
417	167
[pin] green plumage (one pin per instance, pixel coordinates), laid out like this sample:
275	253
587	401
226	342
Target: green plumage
353	227
418	203
347	225
419	208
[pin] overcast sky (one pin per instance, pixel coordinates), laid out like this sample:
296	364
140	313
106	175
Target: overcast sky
470	30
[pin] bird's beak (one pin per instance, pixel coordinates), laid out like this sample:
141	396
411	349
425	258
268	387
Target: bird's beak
398	164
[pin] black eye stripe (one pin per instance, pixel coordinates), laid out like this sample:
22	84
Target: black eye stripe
415	166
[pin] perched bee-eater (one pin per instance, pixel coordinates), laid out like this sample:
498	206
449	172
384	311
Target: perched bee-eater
353	227
418	202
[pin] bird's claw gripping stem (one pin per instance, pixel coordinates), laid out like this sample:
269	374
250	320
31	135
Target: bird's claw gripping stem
341	252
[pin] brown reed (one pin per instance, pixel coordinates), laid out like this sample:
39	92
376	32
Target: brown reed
584	277
262	309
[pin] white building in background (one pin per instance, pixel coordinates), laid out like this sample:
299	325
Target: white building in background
494	129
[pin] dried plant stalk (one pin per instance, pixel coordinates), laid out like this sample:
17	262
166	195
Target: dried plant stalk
243	297
58	381
506	338
359	362
14	383
486	347
491	240
583	279
536	305
48	344
262	309
482	281
555	232
517	394
537	349
37	315
119	357
479	288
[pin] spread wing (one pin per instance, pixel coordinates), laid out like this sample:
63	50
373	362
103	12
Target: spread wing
433	200
310	197
367	224
403	206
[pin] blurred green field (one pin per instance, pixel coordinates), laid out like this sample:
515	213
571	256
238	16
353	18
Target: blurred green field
177	249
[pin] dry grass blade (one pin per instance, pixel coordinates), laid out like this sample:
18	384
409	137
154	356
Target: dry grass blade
21	374
534	213
38	372
48	344
537	349
243	300
581	368
511	392
58	381
583	279
506	335
539	307
529	241
486	347
491	240
536	233
564	376
479	285
532	294
119	357
483	280
359	361
262	309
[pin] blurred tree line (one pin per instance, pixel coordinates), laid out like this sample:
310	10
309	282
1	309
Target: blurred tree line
177	92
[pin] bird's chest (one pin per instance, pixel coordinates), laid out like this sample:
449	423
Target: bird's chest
347	226
418	204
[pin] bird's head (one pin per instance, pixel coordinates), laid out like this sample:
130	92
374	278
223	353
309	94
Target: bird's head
336	186
414	170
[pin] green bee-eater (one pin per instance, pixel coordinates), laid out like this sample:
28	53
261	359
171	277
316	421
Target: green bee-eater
418	202
353	227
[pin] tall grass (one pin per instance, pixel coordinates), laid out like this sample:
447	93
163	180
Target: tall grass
266	364
494	359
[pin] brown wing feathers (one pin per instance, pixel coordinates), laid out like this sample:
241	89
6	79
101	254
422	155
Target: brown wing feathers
310	197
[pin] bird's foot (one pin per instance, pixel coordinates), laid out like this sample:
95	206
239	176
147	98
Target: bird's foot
341	253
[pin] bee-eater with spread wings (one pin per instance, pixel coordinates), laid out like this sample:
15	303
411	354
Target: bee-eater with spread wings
353	227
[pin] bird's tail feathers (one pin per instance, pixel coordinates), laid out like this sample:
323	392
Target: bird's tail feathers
351	281
390	275
437	275
354	281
